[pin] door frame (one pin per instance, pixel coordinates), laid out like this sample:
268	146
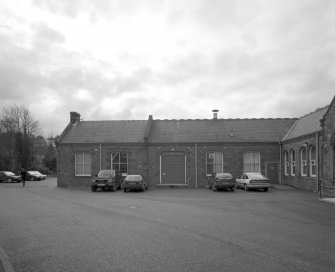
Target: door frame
160	166
266	169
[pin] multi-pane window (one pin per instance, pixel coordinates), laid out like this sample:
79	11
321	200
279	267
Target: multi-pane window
292	161
252	162
120	161
83	164
214	163
312	161
303	161
286	163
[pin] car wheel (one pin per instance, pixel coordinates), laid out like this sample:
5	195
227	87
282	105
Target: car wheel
245	187
232	189
93	189
265	189
9	180
125	190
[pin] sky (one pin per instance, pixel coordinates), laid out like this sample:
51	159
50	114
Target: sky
173	59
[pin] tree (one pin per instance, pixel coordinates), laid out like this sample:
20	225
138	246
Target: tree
50	159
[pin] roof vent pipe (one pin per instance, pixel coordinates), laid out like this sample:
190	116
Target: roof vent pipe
215	114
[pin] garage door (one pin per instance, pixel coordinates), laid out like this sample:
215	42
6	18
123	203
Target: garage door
173	168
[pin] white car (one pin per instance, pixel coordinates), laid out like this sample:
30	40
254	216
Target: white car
253	181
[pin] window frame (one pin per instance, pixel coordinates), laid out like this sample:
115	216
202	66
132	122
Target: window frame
119	162
286	163
292	163
77	163
214	163
253	163
303	162
312	162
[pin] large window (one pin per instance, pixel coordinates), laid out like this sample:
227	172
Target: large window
292	161
286	163
252	162
120	161
83	164
303	161
214	163
312	161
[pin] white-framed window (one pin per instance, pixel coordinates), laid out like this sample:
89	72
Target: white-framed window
292	162
312	161
83	164
214	163
303	161
286	163
120	161
252	162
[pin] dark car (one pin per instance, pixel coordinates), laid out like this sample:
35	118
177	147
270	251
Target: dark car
106	180
32	175
9	177
134	182
221	181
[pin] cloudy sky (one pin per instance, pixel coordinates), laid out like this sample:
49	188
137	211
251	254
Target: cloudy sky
174	59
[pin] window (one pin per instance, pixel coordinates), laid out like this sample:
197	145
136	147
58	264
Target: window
252	162
312	161
303	161
214	163
286	163
120	162
83	164
292	160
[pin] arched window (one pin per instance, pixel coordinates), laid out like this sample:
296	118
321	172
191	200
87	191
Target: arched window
252	162
312	161
286	163
292	161
303	161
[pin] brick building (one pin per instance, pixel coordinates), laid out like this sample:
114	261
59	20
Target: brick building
186	152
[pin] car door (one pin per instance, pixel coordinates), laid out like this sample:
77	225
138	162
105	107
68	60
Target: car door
239	181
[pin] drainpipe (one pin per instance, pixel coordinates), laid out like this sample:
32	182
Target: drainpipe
280	162
196	164
100	156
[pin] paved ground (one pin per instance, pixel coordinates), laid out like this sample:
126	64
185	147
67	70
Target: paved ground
45	228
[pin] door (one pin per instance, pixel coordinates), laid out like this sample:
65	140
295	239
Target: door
173	168
272	172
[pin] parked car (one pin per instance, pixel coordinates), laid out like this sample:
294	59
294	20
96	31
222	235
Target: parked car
253	181
9	177
134	182
221	181
106	180
43	177
32	175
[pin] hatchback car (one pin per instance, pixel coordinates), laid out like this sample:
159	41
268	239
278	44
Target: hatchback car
221	181
41	175
32	175
9	177
134	182
253	181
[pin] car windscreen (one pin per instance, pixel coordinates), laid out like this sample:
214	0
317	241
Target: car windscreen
256	176
31	173
223	176
133	178
106	173
9	173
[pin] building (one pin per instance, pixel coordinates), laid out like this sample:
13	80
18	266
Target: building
187	152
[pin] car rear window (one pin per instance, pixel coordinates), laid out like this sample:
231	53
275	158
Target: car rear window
106	173
223	175
256	176
133	178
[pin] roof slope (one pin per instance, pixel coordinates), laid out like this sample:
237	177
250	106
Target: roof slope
307	124
219	130
106	132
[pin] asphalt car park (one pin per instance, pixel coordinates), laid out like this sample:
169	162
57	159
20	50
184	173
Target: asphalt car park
46	228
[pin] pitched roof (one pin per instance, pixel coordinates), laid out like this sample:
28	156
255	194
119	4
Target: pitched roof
219	130
307	124
105	132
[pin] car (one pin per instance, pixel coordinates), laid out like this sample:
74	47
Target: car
43	177
106	180
32	175
251	180
134	182
9	177
221	181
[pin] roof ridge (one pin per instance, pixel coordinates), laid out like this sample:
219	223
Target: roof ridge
230	119
315	111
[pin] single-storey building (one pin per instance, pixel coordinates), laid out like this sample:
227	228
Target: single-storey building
187	152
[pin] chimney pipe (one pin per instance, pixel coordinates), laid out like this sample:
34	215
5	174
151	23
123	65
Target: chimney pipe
215	114
74	117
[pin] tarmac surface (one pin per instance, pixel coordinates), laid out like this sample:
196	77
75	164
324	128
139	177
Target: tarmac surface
45	228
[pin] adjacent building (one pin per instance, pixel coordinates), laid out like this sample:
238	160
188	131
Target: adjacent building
186	152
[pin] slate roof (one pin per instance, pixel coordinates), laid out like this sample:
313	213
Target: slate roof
105	132
307	124
219	130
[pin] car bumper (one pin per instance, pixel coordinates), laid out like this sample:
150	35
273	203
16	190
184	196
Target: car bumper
258	185
102	185
224	185
132	185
